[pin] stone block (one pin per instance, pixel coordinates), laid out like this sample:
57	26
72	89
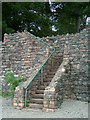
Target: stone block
15	104
21	105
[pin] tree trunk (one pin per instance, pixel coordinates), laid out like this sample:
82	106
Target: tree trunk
77	23
78	13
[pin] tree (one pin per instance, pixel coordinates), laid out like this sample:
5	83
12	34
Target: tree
70	17
44	19
31	16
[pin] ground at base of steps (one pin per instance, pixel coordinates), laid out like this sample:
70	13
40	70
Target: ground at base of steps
69	109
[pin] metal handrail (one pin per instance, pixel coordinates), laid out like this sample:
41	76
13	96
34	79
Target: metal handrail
38	56
41	40
26	87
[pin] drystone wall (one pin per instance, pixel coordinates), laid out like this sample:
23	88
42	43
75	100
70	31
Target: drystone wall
22	53
77	81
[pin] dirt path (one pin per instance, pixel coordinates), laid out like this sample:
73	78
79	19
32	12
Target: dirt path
69	109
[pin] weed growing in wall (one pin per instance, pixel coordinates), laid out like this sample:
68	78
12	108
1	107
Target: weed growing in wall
12	83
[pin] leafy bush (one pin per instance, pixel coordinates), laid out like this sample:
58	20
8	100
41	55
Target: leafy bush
12	82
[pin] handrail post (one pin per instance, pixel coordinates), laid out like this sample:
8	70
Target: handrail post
42	75
52	62
25	97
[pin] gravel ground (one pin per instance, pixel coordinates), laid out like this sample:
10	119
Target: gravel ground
69	109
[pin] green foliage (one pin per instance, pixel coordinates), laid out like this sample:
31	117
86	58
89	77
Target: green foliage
12	82
71	16
31	16
39	17
6	28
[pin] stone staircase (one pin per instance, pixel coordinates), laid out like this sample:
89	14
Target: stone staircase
31	93
36	100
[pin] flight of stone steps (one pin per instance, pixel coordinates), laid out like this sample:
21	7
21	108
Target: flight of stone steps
37	98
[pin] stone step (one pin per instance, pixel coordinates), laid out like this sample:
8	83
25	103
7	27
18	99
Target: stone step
47	79
36	106
38	96
40	91
56	66
51	71
42	87
50	75
37	101
55	70
46	83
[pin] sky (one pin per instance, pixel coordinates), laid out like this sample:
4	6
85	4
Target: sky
51	1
